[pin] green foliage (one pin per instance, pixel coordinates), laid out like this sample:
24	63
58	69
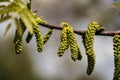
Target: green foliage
18	7
88	41
68	39
116	41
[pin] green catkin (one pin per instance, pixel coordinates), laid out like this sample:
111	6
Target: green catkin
47	36
68	38
39	38
18	37
116	47
64	43
75	52
88	41
18	43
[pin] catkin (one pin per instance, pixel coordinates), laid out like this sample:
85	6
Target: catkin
88	40
18	43
64	43
39	38
68	39
47	36
75	52
116	48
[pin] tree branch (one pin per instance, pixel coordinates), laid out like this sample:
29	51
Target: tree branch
82	32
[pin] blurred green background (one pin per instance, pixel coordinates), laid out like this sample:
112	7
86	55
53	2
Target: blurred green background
31	65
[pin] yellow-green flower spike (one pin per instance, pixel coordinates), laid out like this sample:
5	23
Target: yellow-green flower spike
64	43
47	36
18	36
88	41
39	38
75	52
116	47
18	43
68	38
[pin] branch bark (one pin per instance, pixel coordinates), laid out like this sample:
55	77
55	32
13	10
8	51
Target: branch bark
82	32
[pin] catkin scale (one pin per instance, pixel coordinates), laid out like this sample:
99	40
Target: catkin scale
116	48
88	40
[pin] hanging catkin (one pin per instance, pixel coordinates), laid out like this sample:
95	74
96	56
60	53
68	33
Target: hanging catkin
75	52
18	43
88	40
68	38
39	38
47	36
63	43
116	47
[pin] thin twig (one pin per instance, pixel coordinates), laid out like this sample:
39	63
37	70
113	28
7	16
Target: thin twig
82	32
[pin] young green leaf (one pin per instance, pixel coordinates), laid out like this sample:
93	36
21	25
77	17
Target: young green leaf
12	7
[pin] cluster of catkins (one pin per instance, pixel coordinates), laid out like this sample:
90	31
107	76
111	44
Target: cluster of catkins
41	40
68	39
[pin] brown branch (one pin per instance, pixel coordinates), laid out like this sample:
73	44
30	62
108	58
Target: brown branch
82	32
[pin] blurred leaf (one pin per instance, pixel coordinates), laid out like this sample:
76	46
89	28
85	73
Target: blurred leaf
20	3
116	5
4	18
25	16
4	0
2	6
7	29
12	7
29	4
20	8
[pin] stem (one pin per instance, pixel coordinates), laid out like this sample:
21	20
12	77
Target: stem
82	32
